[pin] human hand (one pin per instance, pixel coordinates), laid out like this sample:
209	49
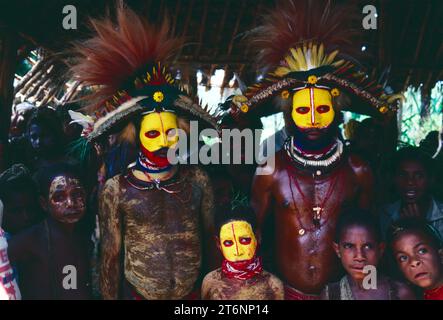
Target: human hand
410	211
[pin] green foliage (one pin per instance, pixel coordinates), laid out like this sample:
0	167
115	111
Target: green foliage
414	128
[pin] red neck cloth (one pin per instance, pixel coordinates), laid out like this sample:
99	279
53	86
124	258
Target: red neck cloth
434	294
242	270
153	158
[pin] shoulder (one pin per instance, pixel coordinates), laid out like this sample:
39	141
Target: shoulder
212	276
331	291
112	184
391	210
195	173
361	169
210	281
404	292
357	162
439	204
27	239
34	232
266	170
274	281
272	277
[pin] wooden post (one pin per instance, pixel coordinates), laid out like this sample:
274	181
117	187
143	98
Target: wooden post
8	63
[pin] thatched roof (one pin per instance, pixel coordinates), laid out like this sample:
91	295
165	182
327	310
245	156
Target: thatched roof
406	48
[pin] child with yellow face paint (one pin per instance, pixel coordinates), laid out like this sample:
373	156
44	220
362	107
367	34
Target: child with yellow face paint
241	276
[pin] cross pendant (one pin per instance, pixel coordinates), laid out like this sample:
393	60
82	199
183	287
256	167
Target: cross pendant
317	214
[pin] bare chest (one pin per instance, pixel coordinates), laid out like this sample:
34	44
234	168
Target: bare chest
313	200
174	209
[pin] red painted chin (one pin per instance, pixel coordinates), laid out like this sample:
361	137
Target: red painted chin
160	159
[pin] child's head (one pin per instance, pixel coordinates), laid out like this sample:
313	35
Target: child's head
45	132
17	192
62	192
236	238
357	241
417	248
412	179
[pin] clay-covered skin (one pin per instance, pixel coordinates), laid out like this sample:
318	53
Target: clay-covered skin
264	286
156	235
67	199
307	262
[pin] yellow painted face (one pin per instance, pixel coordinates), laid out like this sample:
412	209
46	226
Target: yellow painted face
312	108
158	130
237	241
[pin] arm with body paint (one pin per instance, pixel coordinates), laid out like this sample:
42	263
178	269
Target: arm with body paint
111	240
206	287
207	210
261	195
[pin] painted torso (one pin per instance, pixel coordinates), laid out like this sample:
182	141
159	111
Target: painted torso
264	286
161	234
304	254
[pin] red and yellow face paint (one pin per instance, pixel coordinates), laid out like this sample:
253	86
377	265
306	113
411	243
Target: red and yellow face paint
237	241
158	130
312	108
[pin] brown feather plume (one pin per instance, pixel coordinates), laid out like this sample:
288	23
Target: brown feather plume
118	51
294	22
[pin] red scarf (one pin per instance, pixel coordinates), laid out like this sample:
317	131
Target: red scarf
434	294
242	270
156	160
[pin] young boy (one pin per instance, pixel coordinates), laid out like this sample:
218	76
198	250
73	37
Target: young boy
418	250
413	182
17	192
241	276
53	257
358	245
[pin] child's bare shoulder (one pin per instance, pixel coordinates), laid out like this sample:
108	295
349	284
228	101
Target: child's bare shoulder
27	242
276	285
213	276
33	233
274	280
404	291
210	281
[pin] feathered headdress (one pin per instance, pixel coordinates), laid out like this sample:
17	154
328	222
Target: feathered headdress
125	65
305	44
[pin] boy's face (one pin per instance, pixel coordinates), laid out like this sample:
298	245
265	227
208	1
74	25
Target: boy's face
66	199
237	241
18	123
412	181
358	248
420	262
41	140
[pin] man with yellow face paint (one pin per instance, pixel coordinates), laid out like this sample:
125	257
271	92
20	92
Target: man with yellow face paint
315	126
156	219
312	108
309	180
158	133
241	276
312	178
